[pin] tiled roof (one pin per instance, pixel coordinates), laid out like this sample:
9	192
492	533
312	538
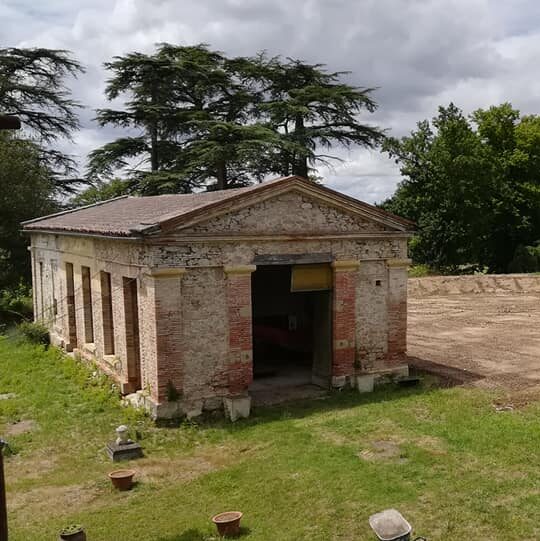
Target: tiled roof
132	216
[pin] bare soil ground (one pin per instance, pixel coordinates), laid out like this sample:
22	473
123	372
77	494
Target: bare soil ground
489	338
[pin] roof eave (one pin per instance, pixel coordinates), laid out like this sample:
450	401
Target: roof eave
69	211
70	233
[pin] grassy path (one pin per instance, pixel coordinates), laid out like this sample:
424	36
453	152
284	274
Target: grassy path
454	466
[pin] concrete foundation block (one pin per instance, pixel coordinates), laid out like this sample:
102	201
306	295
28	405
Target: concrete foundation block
401	371
365	383
128	451
213	403
237	407
193	409
338	382
165	410
384	377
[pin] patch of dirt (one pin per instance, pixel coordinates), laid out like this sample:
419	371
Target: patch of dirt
34	466
383	451
20	427
67	499
489	339
7	396
185	469
431	444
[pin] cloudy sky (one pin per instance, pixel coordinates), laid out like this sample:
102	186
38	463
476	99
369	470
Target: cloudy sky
420	53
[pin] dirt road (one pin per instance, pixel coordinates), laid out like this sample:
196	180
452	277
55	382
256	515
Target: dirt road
495	336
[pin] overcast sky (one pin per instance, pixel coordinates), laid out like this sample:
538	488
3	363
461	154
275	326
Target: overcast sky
420	53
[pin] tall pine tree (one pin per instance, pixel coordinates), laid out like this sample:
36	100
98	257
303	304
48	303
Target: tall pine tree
33	86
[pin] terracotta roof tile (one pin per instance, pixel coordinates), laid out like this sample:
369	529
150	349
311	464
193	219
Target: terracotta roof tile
131	216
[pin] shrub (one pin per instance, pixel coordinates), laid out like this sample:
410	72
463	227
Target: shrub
418	271
16	304
526	259
35	333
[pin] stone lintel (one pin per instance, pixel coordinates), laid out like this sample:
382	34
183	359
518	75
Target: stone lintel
398	262
345	265
167	272
239	269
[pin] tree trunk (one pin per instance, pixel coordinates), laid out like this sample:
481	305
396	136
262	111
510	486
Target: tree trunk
300	165
222	176
154	159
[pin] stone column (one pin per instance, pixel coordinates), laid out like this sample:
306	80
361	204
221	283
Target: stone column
240	356
344	321
397	309
168	337
33	263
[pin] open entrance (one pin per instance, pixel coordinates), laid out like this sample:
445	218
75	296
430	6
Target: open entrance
292	331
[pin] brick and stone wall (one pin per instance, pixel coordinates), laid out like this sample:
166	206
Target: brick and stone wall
194	297
57	250
308	214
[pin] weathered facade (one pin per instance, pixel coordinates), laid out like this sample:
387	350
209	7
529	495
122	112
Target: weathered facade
174	296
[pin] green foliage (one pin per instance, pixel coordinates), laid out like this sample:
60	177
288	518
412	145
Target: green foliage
419	271
313	111
34	333
33	87
21	167
526	259
172	392
438	463
101	191
16	304
471	186
206	120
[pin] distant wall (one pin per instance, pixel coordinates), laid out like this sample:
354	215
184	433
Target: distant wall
473	284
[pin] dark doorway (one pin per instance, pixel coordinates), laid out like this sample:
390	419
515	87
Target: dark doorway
131	314
291	330
71	310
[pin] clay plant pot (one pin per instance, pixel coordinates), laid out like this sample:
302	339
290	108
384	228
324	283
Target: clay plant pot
228	523
122	479
73	533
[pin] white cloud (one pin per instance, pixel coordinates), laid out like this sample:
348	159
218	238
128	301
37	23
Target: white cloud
421	53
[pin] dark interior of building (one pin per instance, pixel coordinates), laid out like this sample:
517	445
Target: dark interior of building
291	330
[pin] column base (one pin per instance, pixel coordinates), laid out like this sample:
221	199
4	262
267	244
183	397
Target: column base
237	407
365	382
340	382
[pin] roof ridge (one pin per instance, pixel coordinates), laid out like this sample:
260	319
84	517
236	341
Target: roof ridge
74	209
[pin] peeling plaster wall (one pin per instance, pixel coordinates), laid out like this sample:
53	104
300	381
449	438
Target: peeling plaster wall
303	214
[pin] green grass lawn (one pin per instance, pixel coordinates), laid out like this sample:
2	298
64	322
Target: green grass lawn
455	467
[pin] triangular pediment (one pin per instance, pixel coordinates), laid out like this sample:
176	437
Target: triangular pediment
294	208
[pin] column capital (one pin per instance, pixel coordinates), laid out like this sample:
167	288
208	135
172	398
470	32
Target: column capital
239	269
344	265
398	263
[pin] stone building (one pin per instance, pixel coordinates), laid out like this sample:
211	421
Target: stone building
190	301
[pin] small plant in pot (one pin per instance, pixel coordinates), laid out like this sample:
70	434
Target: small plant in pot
73	532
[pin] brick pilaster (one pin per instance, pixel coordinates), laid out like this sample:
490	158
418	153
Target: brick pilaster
168	331
397	309
344	320
240	357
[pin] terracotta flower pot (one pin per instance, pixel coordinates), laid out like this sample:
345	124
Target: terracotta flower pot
73	533
228	524
122	479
